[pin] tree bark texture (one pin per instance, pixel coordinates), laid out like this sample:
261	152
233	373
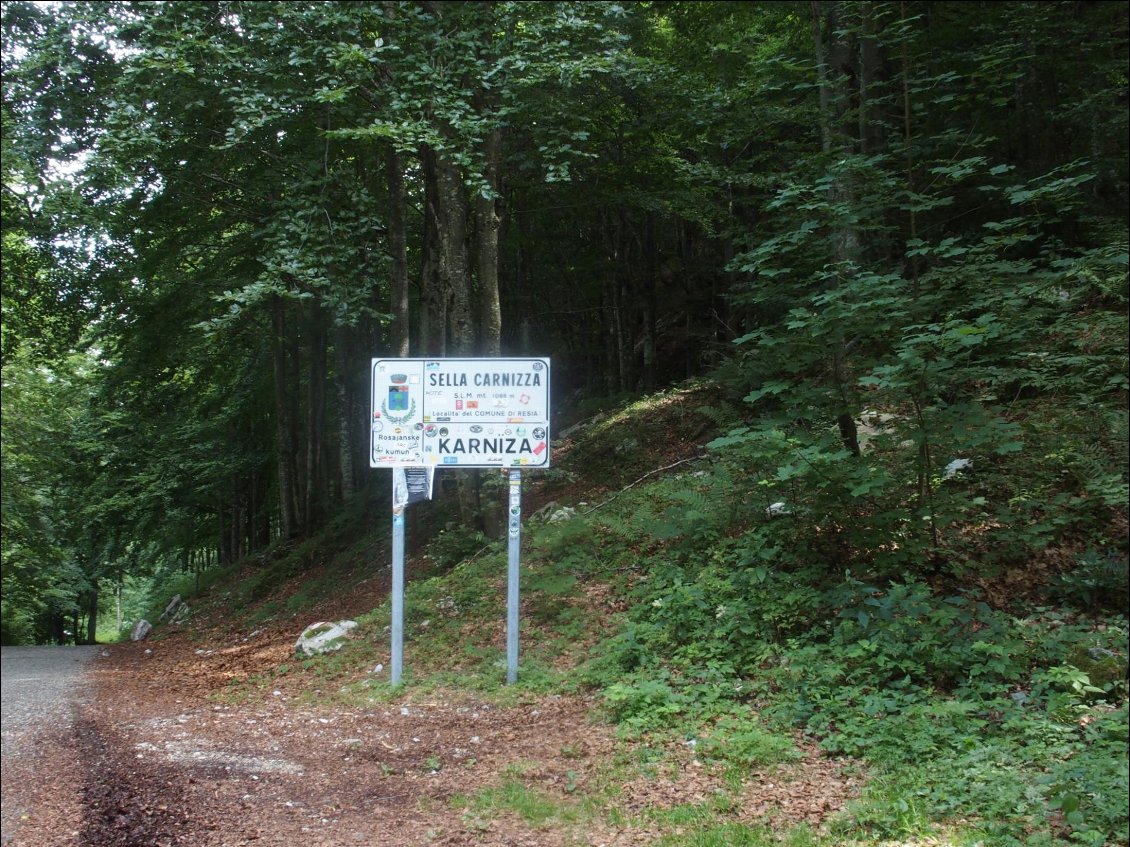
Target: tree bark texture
399	335
284	422
455	265
432	333
315	499
486	232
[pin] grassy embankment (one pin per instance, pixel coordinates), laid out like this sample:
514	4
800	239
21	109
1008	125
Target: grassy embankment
697	620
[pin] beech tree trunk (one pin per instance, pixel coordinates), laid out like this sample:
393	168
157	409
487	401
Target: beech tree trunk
284	422
455	269
433	301
835	67
346	364
486	230
91	615
454	264
651	271
399	334
315	493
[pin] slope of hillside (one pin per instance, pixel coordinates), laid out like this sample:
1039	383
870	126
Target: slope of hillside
676	687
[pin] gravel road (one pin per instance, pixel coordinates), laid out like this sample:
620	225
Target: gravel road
39	689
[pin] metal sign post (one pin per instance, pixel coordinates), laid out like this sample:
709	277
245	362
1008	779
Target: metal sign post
514	553
397	595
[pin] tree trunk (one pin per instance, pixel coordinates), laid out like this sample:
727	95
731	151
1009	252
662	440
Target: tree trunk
432	335
455	270
834	67
871	132
349	409
454	265
284	422
92	615
649	306
486	230
316	499
222	539
611	356
398	248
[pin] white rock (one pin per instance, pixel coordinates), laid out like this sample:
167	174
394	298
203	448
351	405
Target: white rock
172	607
955	467
779	508
141	630
323	637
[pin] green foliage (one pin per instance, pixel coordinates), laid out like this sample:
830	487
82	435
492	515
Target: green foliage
535	807
1099	581
956	706
644	700
913	227
742	741
454	543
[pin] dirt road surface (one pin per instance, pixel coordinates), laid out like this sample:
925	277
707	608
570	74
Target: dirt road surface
155	758
168	750
40	690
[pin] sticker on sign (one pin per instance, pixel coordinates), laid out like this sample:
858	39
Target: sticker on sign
472	413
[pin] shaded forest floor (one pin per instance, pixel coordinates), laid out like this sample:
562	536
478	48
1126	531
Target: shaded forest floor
213	733
166	761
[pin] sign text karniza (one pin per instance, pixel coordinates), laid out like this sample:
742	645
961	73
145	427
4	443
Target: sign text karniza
460	412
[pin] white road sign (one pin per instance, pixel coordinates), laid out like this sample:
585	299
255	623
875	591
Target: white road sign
469	413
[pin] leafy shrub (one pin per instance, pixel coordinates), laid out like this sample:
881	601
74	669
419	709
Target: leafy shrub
644	701
1100	580
453	544
904	632
739	739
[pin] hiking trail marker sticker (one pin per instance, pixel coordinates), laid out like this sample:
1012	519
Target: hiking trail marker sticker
467	413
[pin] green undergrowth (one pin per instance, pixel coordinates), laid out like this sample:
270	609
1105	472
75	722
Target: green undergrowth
1010	720
774	591
989	723
994	725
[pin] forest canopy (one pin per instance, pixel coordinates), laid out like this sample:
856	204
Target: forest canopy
893	235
